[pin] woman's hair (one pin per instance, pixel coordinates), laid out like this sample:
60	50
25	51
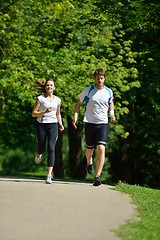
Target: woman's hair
41	84
99	72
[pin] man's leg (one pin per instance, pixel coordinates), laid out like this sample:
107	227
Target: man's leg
100	150
89	133
89	154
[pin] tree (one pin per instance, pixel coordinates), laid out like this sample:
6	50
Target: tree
69	40
136	159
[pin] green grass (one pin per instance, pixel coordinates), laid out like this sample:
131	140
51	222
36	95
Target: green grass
147	201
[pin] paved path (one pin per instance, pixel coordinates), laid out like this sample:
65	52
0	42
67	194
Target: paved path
32	210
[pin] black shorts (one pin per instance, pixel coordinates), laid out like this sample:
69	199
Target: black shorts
96	134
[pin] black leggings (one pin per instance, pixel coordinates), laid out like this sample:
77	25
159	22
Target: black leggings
44	132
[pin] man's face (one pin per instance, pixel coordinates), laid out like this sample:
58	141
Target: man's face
99	81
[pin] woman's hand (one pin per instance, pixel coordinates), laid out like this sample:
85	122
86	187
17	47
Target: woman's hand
48	110
61	127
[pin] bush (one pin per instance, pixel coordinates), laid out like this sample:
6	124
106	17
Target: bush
17	161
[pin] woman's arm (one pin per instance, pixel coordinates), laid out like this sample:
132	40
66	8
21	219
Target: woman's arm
59	118
36	112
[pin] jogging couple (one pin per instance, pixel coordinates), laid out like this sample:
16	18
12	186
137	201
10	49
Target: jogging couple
99	103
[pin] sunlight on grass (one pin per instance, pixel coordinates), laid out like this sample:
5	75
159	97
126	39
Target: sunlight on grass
148	204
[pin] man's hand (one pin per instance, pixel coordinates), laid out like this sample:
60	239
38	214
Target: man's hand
112	118
74	124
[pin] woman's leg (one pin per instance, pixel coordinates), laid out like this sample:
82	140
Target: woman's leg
41	136
52	139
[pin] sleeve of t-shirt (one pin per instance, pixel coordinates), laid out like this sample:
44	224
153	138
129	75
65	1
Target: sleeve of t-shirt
40	98
58	100
83	94
111	96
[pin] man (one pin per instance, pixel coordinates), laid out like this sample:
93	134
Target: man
99	101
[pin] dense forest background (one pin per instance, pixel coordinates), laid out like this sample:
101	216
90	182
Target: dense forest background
68	40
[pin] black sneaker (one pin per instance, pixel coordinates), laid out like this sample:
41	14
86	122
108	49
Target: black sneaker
97	181
89	168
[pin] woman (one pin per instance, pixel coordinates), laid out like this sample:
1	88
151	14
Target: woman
47	111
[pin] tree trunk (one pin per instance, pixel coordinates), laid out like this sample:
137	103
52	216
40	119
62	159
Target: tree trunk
123	163
77	161
59	166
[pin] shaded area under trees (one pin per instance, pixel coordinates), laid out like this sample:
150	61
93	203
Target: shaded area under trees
70	39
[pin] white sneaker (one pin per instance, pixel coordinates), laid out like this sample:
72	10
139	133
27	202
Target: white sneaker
49	179
38	158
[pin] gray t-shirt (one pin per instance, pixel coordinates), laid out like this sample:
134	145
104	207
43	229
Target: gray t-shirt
97	104
45	103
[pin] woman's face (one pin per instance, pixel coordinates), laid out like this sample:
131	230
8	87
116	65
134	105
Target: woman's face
49	86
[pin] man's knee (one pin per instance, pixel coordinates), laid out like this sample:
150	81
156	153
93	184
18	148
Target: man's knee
89	151
100	148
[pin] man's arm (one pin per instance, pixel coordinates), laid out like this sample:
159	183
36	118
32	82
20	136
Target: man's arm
76	111
111	112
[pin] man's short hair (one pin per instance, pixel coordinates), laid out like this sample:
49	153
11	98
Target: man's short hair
99	72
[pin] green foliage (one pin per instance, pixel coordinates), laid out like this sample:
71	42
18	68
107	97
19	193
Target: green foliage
41	48
50	38
147	201
68	40
16	160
